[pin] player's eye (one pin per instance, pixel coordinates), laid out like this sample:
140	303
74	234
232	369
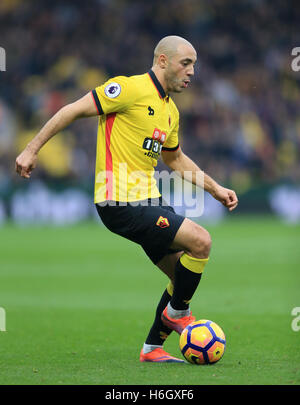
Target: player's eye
187	62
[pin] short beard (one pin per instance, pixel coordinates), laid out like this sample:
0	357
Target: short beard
172	83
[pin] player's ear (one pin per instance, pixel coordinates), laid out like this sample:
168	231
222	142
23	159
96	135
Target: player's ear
163	61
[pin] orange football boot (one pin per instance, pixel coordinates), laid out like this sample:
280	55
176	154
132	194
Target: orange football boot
176	324
158	355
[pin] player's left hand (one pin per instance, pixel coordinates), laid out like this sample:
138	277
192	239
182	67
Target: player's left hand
226	196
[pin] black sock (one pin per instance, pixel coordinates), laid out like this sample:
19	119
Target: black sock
159	332
185	285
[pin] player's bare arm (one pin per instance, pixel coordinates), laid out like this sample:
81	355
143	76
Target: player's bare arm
187	168
84	107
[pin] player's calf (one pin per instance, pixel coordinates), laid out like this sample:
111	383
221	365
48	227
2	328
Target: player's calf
188	273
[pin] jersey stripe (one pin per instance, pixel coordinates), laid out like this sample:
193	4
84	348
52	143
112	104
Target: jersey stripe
170	149
97	102
110	118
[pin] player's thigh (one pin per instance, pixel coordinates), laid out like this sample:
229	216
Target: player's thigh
193	239
167	264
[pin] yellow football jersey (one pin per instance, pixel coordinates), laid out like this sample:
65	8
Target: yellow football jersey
137	121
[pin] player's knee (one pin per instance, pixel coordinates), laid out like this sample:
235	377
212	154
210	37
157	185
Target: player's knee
202	244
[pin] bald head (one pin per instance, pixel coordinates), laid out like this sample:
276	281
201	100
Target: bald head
169	46
173	63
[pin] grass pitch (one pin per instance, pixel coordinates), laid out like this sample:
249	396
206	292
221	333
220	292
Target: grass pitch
79	302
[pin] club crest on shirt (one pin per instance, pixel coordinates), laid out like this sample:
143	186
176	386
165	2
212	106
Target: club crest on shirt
162	222
112	90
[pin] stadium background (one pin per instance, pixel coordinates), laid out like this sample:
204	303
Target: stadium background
239	121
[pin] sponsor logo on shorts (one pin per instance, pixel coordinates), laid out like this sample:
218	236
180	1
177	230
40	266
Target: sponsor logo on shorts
162	222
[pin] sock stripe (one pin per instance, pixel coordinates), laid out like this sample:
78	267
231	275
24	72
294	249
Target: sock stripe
170	288
192	263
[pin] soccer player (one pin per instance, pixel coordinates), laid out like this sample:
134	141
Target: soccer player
138	123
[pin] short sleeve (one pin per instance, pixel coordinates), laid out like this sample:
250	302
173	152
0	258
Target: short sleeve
116	95
172	142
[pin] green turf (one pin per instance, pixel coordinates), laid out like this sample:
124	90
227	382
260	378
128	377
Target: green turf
79	301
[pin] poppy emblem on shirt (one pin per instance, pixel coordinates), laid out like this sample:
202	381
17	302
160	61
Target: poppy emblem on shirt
112	90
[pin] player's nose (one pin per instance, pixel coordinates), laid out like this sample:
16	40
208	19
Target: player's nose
190	71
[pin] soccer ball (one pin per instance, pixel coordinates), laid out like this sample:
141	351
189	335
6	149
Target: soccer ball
202	342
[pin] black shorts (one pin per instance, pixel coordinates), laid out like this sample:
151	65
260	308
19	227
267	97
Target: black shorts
153	226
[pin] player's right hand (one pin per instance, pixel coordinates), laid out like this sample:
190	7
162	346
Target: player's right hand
25	163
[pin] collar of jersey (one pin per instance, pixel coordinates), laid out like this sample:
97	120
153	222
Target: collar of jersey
157	84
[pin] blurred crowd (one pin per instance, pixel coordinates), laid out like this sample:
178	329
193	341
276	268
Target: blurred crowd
240	117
